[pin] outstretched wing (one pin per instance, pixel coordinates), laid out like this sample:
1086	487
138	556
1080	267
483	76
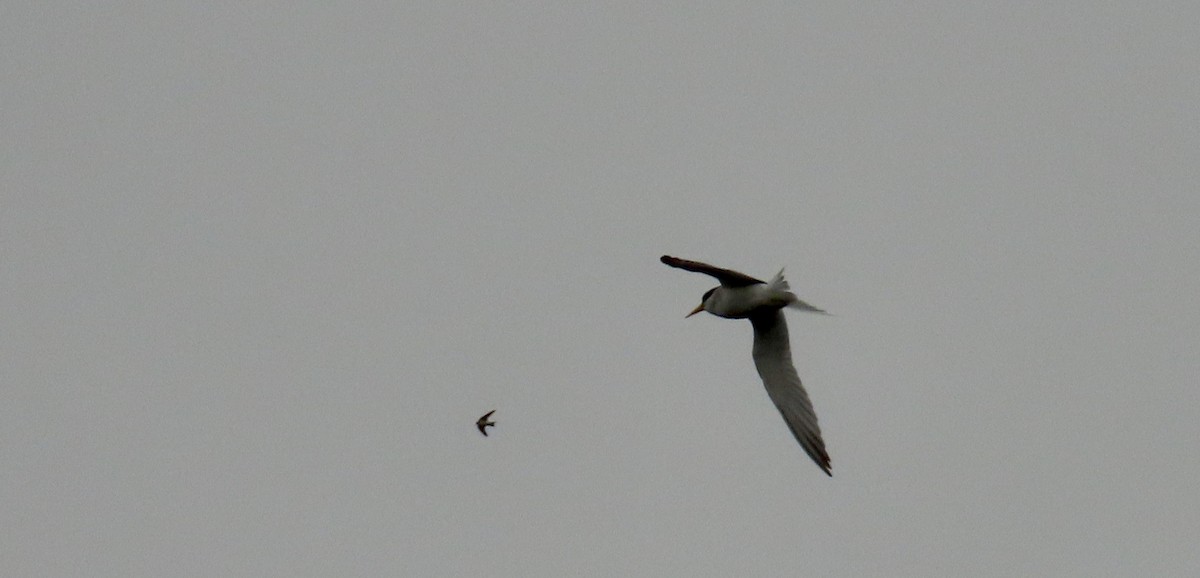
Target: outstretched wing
482	422
773	358
727	277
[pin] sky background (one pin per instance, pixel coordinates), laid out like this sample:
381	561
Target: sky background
263	265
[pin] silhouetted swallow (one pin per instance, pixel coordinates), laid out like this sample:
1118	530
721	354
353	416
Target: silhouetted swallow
483	422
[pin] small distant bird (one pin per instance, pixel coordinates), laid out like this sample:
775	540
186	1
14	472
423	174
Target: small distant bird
483	423
741	296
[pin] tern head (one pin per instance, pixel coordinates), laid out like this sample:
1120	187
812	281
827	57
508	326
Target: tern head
705	300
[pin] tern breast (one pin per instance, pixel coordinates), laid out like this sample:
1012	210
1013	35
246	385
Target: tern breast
742	302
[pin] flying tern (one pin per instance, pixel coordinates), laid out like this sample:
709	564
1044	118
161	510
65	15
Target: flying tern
483	422
741	296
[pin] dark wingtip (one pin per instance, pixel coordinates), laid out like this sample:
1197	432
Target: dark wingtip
666	259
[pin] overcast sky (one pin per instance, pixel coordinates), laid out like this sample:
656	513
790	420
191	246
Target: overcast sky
263	265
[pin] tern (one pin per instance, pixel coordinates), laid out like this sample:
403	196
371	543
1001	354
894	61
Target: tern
741	296
483	422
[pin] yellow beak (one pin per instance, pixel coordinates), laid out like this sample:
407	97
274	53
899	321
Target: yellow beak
698	309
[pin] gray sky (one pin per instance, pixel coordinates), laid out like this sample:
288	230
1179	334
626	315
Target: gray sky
262	268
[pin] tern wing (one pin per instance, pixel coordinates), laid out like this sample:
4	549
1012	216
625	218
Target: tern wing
725	276
773	358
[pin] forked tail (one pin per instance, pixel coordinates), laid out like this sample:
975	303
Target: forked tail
779	284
